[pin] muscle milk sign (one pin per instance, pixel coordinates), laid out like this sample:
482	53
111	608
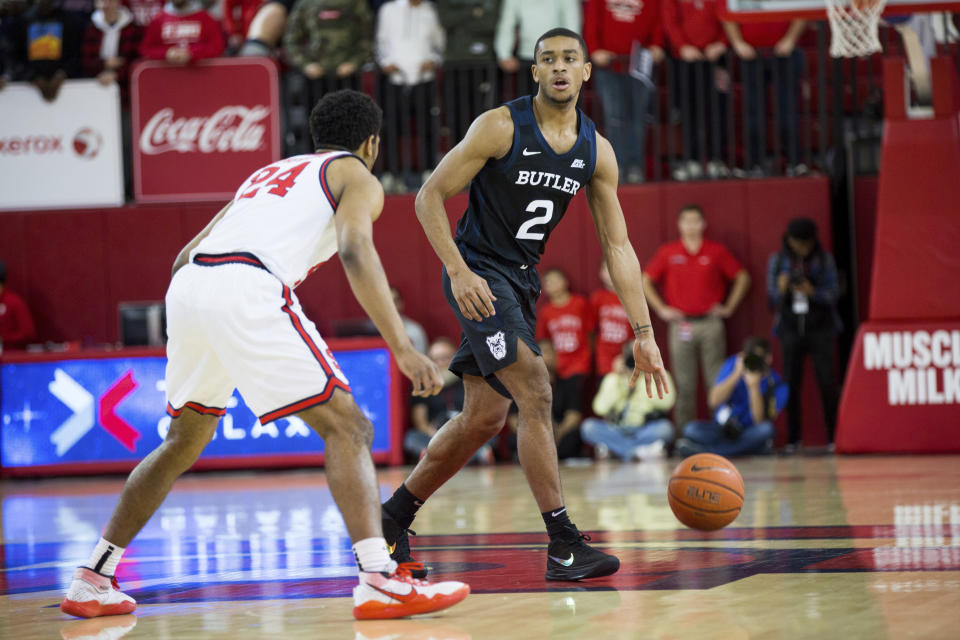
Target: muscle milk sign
922	367
200	130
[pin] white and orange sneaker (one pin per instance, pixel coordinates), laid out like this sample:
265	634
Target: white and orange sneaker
91	595
380	596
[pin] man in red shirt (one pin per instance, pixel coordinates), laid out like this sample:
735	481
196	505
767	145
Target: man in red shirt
694	274
781	38
699	44
611	29
610	319
16	324
566	322
181	33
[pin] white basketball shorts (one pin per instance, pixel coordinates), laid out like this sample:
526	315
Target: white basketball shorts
232	324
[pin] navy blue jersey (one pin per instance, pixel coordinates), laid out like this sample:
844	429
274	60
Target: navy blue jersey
516	201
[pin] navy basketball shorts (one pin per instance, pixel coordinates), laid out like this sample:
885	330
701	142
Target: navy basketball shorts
490	345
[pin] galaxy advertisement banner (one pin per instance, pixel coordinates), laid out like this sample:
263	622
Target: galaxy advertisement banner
199	131
90	415
64	154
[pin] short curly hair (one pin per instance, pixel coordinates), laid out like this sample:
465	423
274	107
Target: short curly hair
344	119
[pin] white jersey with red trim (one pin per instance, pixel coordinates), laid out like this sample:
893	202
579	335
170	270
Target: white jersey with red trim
282	214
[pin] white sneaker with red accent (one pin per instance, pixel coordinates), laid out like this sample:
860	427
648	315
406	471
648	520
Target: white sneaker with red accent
91	595
380	596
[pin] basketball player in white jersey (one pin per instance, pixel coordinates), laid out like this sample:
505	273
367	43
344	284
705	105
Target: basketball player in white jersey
233	321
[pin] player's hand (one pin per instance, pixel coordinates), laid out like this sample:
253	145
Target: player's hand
646	353
473	295
423	373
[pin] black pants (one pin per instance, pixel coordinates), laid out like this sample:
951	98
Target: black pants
410	127
702	100
821	347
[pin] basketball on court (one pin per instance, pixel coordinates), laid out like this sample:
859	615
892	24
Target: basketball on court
705	492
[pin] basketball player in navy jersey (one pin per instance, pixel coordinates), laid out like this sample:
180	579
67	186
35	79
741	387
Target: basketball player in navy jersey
524	162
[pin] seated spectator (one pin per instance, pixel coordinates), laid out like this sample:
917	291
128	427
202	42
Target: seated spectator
182	33
611	321
746	397
703	84
625	41
780	38
409	57
16	323
110	44
413	328
565	323
329	37
51	43
632	425
428	414
802	286
237	16
521	23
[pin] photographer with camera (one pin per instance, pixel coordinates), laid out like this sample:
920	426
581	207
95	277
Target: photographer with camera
802	286
631	425
746	397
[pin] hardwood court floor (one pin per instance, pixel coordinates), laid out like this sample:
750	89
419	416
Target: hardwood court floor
865	547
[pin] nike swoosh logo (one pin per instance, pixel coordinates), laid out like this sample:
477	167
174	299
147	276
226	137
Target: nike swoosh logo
402	597
530	153
696	468
556	513
566	563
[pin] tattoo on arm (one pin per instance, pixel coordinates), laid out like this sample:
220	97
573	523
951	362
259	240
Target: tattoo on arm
639	330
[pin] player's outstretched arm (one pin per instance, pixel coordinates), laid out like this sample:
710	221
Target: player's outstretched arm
623	266
360	203
490	136
184	254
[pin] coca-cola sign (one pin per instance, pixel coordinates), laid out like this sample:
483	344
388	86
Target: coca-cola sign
224	110
231	128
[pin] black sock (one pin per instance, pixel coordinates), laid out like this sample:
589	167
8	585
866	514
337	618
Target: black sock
402	506
557	522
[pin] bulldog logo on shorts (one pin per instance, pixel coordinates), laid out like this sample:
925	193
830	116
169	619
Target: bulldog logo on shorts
498	345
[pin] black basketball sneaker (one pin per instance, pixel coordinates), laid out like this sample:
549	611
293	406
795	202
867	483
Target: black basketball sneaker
569	557
398	543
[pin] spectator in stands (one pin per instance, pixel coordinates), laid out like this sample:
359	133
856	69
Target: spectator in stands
413	328
144	11
521	23
802	286
695	273
409	48
631	425
566	323
625	41
181	34
110	45
329	37
784	71
428	414
611	322
699	45
51	41
237	16
16	323
469	61
746	398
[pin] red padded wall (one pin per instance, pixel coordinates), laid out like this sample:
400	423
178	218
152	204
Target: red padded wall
74	267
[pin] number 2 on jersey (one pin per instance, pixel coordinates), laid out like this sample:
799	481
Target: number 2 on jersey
281	184
524	233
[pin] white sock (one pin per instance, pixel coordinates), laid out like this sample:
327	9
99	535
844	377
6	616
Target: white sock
372	555
105	557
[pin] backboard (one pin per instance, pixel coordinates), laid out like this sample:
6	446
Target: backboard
773	10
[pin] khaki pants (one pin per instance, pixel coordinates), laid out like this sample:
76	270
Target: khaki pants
708	338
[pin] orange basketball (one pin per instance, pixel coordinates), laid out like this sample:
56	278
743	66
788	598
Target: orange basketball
705	492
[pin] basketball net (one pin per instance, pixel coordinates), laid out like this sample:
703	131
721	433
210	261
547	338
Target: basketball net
854	25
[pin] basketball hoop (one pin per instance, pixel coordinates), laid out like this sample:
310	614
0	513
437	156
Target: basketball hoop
854	26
